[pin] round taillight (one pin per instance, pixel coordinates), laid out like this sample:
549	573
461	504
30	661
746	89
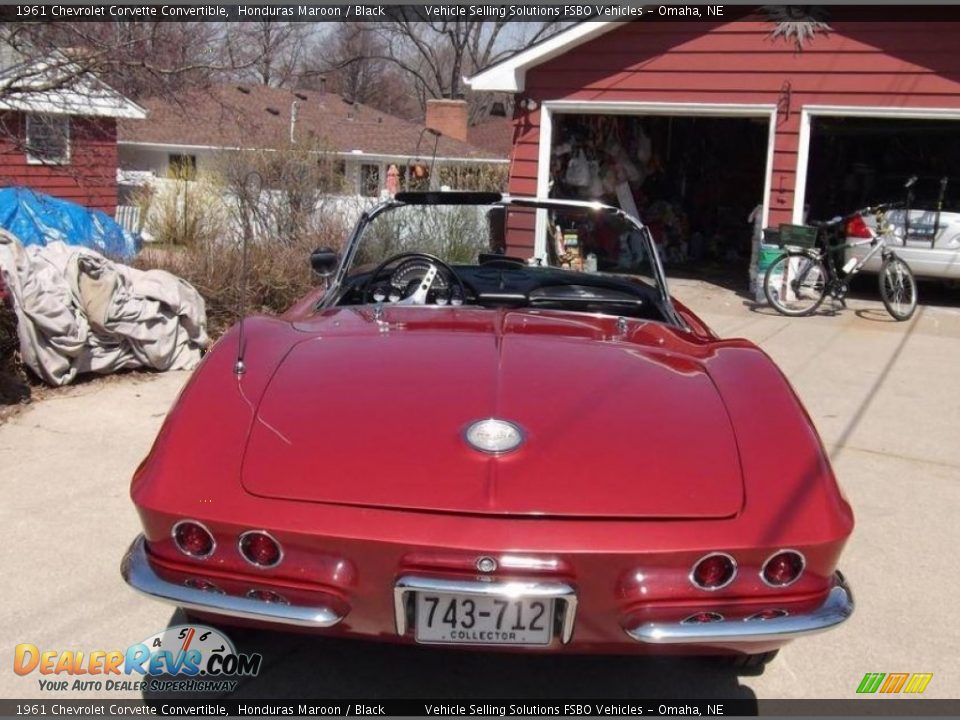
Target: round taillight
782	568
258	548
713	571
267	596
193	539
703	617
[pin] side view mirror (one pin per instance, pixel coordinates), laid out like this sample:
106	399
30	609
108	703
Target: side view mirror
324	261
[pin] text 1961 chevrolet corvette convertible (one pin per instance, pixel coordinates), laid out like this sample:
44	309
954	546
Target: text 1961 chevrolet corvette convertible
452	446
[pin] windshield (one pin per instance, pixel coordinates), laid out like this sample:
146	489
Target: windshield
456	234
563	255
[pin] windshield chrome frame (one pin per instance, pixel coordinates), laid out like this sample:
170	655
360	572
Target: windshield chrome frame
507	201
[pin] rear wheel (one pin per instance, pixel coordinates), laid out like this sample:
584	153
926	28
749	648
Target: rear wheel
898	288
795	284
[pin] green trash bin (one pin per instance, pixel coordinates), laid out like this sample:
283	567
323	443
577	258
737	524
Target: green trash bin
766	256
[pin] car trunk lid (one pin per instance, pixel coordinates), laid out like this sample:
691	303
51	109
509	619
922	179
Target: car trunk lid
611	429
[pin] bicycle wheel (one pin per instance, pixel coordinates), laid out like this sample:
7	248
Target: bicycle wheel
898	289
795	284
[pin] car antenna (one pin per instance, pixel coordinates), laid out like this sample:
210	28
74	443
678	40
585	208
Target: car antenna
249	195
433	158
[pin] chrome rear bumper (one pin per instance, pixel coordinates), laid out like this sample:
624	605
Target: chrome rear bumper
836	607
138	573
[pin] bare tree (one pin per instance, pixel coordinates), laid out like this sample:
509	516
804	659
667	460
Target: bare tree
273	49
51	71
293	182
438	53
136	58
349	61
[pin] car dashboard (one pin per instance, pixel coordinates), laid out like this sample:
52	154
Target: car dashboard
505	284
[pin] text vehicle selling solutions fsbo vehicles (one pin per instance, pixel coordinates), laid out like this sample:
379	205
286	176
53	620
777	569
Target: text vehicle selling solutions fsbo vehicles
452	446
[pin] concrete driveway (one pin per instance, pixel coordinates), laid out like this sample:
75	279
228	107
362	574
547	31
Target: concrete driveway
884	396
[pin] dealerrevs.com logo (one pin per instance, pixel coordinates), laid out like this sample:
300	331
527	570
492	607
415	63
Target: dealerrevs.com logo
894	683
182	658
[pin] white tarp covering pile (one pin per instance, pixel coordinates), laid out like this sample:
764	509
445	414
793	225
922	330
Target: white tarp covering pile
79	312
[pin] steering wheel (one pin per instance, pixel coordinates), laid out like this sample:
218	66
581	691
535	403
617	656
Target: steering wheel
418	296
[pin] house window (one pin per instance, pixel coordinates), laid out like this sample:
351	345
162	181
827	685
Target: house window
182	167
48	139
369	180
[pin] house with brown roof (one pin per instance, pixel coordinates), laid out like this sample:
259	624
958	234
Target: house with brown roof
58	127
191	132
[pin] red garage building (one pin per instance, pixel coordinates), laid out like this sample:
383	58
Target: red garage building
59	137
713	117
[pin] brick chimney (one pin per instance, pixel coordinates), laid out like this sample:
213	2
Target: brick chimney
448	117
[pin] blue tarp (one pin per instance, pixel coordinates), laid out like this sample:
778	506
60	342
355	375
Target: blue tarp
37	219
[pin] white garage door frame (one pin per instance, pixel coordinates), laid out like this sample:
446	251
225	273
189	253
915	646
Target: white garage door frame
808	112
550	108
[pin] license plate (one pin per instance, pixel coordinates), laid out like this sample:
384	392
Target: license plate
483	620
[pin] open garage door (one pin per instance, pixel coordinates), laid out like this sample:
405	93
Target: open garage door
860	161
693	179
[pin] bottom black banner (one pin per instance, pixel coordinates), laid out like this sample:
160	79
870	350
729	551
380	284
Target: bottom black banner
480	708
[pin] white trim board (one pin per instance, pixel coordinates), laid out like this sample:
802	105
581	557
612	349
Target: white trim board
552	107
807	112
510	75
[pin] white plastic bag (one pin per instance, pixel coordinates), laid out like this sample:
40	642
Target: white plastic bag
578	171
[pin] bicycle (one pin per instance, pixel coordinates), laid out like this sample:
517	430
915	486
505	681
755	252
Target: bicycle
798	281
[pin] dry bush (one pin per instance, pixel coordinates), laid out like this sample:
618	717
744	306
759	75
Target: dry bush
281	193
183	211
13	387
477	178
282	215
277	274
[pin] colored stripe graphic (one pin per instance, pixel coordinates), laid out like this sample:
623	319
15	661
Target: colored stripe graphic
894	682
918	682
870	682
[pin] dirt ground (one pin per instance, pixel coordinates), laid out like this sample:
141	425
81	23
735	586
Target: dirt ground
884	396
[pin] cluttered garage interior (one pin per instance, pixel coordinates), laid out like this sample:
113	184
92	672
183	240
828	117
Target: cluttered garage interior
698	182
718	133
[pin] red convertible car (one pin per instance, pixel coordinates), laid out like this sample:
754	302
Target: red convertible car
449	445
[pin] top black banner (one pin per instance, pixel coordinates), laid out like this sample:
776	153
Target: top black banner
501	10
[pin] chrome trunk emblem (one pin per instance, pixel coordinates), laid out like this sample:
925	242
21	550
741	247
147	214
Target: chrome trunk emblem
494	436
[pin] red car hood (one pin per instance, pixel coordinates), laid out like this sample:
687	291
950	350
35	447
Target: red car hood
612	428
